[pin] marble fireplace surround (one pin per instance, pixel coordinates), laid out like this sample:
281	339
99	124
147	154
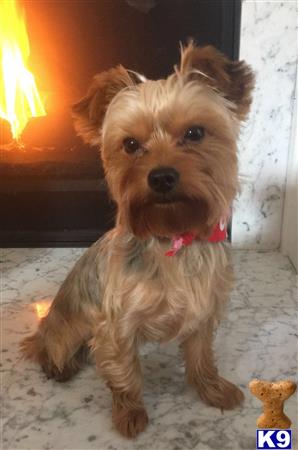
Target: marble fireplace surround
269	45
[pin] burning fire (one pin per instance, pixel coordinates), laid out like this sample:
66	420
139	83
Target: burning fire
19	97
42	308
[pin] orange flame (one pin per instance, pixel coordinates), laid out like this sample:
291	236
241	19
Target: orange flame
42	308
19	97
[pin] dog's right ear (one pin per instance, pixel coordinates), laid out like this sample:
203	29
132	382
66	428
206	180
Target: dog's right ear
233	79
88	113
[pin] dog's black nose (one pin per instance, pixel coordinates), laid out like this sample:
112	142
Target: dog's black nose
163	179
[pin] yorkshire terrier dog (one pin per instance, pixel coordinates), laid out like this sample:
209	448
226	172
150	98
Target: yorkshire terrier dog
169	152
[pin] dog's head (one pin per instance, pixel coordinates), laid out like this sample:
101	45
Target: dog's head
169	146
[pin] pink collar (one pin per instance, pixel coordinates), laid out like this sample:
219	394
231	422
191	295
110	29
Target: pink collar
218	234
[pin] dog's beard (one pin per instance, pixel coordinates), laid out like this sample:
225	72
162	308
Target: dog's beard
166	217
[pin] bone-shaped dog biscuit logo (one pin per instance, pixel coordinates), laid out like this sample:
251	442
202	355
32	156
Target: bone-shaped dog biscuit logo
273	395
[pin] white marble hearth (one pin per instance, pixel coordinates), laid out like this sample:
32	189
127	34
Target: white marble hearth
257	339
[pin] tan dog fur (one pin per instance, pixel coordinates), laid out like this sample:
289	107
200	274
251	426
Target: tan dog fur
124	290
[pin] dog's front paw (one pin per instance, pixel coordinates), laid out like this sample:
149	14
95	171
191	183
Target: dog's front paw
221	394
130	422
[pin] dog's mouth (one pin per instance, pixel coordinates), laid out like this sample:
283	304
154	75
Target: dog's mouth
167	215
167	199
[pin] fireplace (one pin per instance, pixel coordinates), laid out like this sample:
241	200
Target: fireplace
52	189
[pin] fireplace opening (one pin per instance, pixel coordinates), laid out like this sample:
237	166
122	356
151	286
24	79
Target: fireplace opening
52	189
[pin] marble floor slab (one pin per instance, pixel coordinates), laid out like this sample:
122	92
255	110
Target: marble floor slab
258	339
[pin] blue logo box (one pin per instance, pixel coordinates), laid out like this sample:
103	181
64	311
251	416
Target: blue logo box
272	439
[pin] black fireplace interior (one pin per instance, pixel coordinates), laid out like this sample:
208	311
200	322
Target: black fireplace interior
52	190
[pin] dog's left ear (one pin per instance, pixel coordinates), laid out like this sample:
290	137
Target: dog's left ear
233	79
88	113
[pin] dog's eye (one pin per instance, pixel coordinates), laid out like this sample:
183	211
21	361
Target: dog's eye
194	133
131	145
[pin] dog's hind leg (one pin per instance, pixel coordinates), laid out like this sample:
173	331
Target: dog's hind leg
60	343
59	346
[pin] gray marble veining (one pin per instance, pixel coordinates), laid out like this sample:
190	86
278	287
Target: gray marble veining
257	339
269	44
